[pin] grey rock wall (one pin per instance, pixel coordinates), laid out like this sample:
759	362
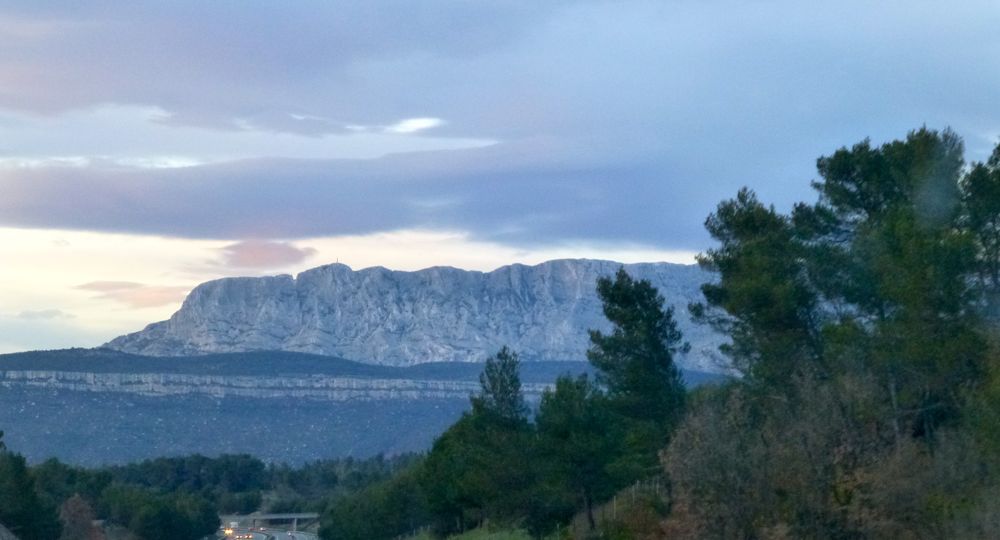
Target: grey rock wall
312	387
398	318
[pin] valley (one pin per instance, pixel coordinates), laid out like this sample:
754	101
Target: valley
99	406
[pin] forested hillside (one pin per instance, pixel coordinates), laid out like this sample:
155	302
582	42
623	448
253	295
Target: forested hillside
172	497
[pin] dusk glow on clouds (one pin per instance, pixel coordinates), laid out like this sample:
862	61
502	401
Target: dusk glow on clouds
90	275
136	295
146	147
264	254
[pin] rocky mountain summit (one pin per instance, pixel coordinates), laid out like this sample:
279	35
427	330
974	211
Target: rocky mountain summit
439	314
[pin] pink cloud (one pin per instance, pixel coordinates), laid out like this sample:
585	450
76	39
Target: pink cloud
264	254
136	295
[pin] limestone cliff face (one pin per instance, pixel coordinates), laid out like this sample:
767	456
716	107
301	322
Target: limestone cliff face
402	318
312	387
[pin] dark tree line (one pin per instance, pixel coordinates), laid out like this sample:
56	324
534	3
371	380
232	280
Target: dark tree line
176	498
865	328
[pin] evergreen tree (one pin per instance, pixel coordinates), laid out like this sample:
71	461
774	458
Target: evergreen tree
21	509
891	252
763	300
981	216
481	468
500	394
635	362
578	441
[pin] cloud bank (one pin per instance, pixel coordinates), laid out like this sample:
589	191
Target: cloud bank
518	122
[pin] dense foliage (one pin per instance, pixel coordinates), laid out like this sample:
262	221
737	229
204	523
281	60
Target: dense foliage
172	498
22	510
863	325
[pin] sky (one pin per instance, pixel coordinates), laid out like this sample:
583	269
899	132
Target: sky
146	147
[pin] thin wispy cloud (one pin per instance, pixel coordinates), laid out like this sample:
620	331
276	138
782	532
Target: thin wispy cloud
413	125
110	286
136	295
44	314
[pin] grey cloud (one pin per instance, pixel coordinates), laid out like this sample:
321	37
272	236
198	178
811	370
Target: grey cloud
509	193
513	69
44	314
620	121
213	62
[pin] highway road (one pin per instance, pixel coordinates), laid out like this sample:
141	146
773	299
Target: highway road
268	533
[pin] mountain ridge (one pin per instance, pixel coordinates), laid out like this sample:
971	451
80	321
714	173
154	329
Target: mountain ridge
437	314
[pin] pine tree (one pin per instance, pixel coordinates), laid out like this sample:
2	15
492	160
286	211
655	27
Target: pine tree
763	300
635	362
481	467
500	393
21	509
900	264
578	440
981	216
635	365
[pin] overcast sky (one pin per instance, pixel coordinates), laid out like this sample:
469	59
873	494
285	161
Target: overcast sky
146	147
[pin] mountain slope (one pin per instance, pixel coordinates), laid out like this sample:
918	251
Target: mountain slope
95	406
398	318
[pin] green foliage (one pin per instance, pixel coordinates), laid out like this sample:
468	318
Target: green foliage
488	534
155	516
310	486
172	518
481	468
589	439
384	510
635	361
500	397
578	442
874	278
763	299
903	267
230	473
980	192
22	510
187	492
868	407
636	367
57	482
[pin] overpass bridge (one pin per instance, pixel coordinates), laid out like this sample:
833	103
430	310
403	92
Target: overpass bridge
262	520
